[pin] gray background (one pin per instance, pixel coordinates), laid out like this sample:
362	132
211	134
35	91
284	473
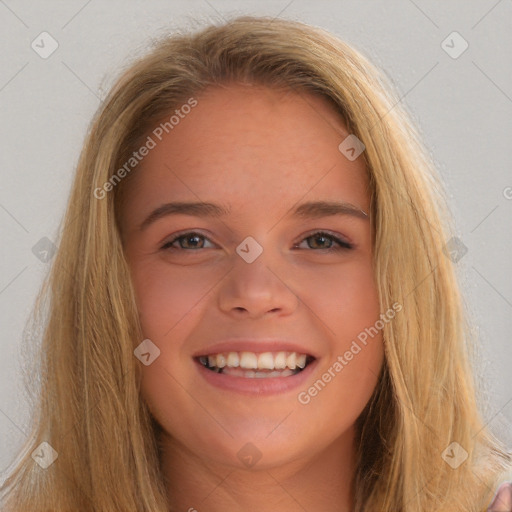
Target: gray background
463	107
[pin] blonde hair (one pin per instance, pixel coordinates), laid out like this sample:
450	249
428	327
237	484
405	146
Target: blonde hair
88	406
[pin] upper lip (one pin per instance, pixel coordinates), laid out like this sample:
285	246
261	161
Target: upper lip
254	345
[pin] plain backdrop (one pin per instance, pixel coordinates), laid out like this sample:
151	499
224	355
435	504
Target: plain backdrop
462	105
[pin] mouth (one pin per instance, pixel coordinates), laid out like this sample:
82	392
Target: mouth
252	365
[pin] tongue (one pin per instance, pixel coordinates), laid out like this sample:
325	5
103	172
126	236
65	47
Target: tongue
240	372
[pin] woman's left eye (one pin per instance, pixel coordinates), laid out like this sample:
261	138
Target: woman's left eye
321	236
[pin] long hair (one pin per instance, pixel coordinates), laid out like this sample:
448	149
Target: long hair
87	405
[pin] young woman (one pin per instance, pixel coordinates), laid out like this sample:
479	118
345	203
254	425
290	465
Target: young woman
252	306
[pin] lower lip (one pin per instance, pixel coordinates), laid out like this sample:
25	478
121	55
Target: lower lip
257	386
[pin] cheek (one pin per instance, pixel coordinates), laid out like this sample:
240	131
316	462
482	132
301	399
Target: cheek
358	303
345	302
343	298
166	296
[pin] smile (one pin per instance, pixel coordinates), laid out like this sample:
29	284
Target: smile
253	365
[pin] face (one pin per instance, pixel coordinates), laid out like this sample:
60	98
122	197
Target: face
251	281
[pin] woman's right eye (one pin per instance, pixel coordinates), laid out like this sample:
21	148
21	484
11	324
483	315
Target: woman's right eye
187	237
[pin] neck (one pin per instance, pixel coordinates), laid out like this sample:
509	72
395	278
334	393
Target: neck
320	482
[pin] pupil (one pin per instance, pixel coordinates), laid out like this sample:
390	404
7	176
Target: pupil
192	237
320	237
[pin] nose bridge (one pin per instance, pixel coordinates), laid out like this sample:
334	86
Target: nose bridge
255	283
250	250
253	260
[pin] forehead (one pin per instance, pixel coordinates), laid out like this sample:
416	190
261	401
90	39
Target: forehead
247	145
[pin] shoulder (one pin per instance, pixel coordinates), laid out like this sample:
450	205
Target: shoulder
502	499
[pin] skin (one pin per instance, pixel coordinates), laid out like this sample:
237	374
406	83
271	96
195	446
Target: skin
261	151
503	500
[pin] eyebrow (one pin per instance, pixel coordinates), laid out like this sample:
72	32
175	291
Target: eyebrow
311	210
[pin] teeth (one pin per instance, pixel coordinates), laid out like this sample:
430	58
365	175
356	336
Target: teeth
248	360
301	360
291	361
233	360
251	374
266	361
252	361
280	361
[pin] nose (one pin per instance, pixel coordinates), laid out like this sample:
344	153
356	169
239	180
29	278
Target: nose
257	288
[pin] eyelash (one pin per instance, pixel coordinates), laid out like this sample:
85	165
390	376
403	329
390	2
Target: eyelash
342	244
